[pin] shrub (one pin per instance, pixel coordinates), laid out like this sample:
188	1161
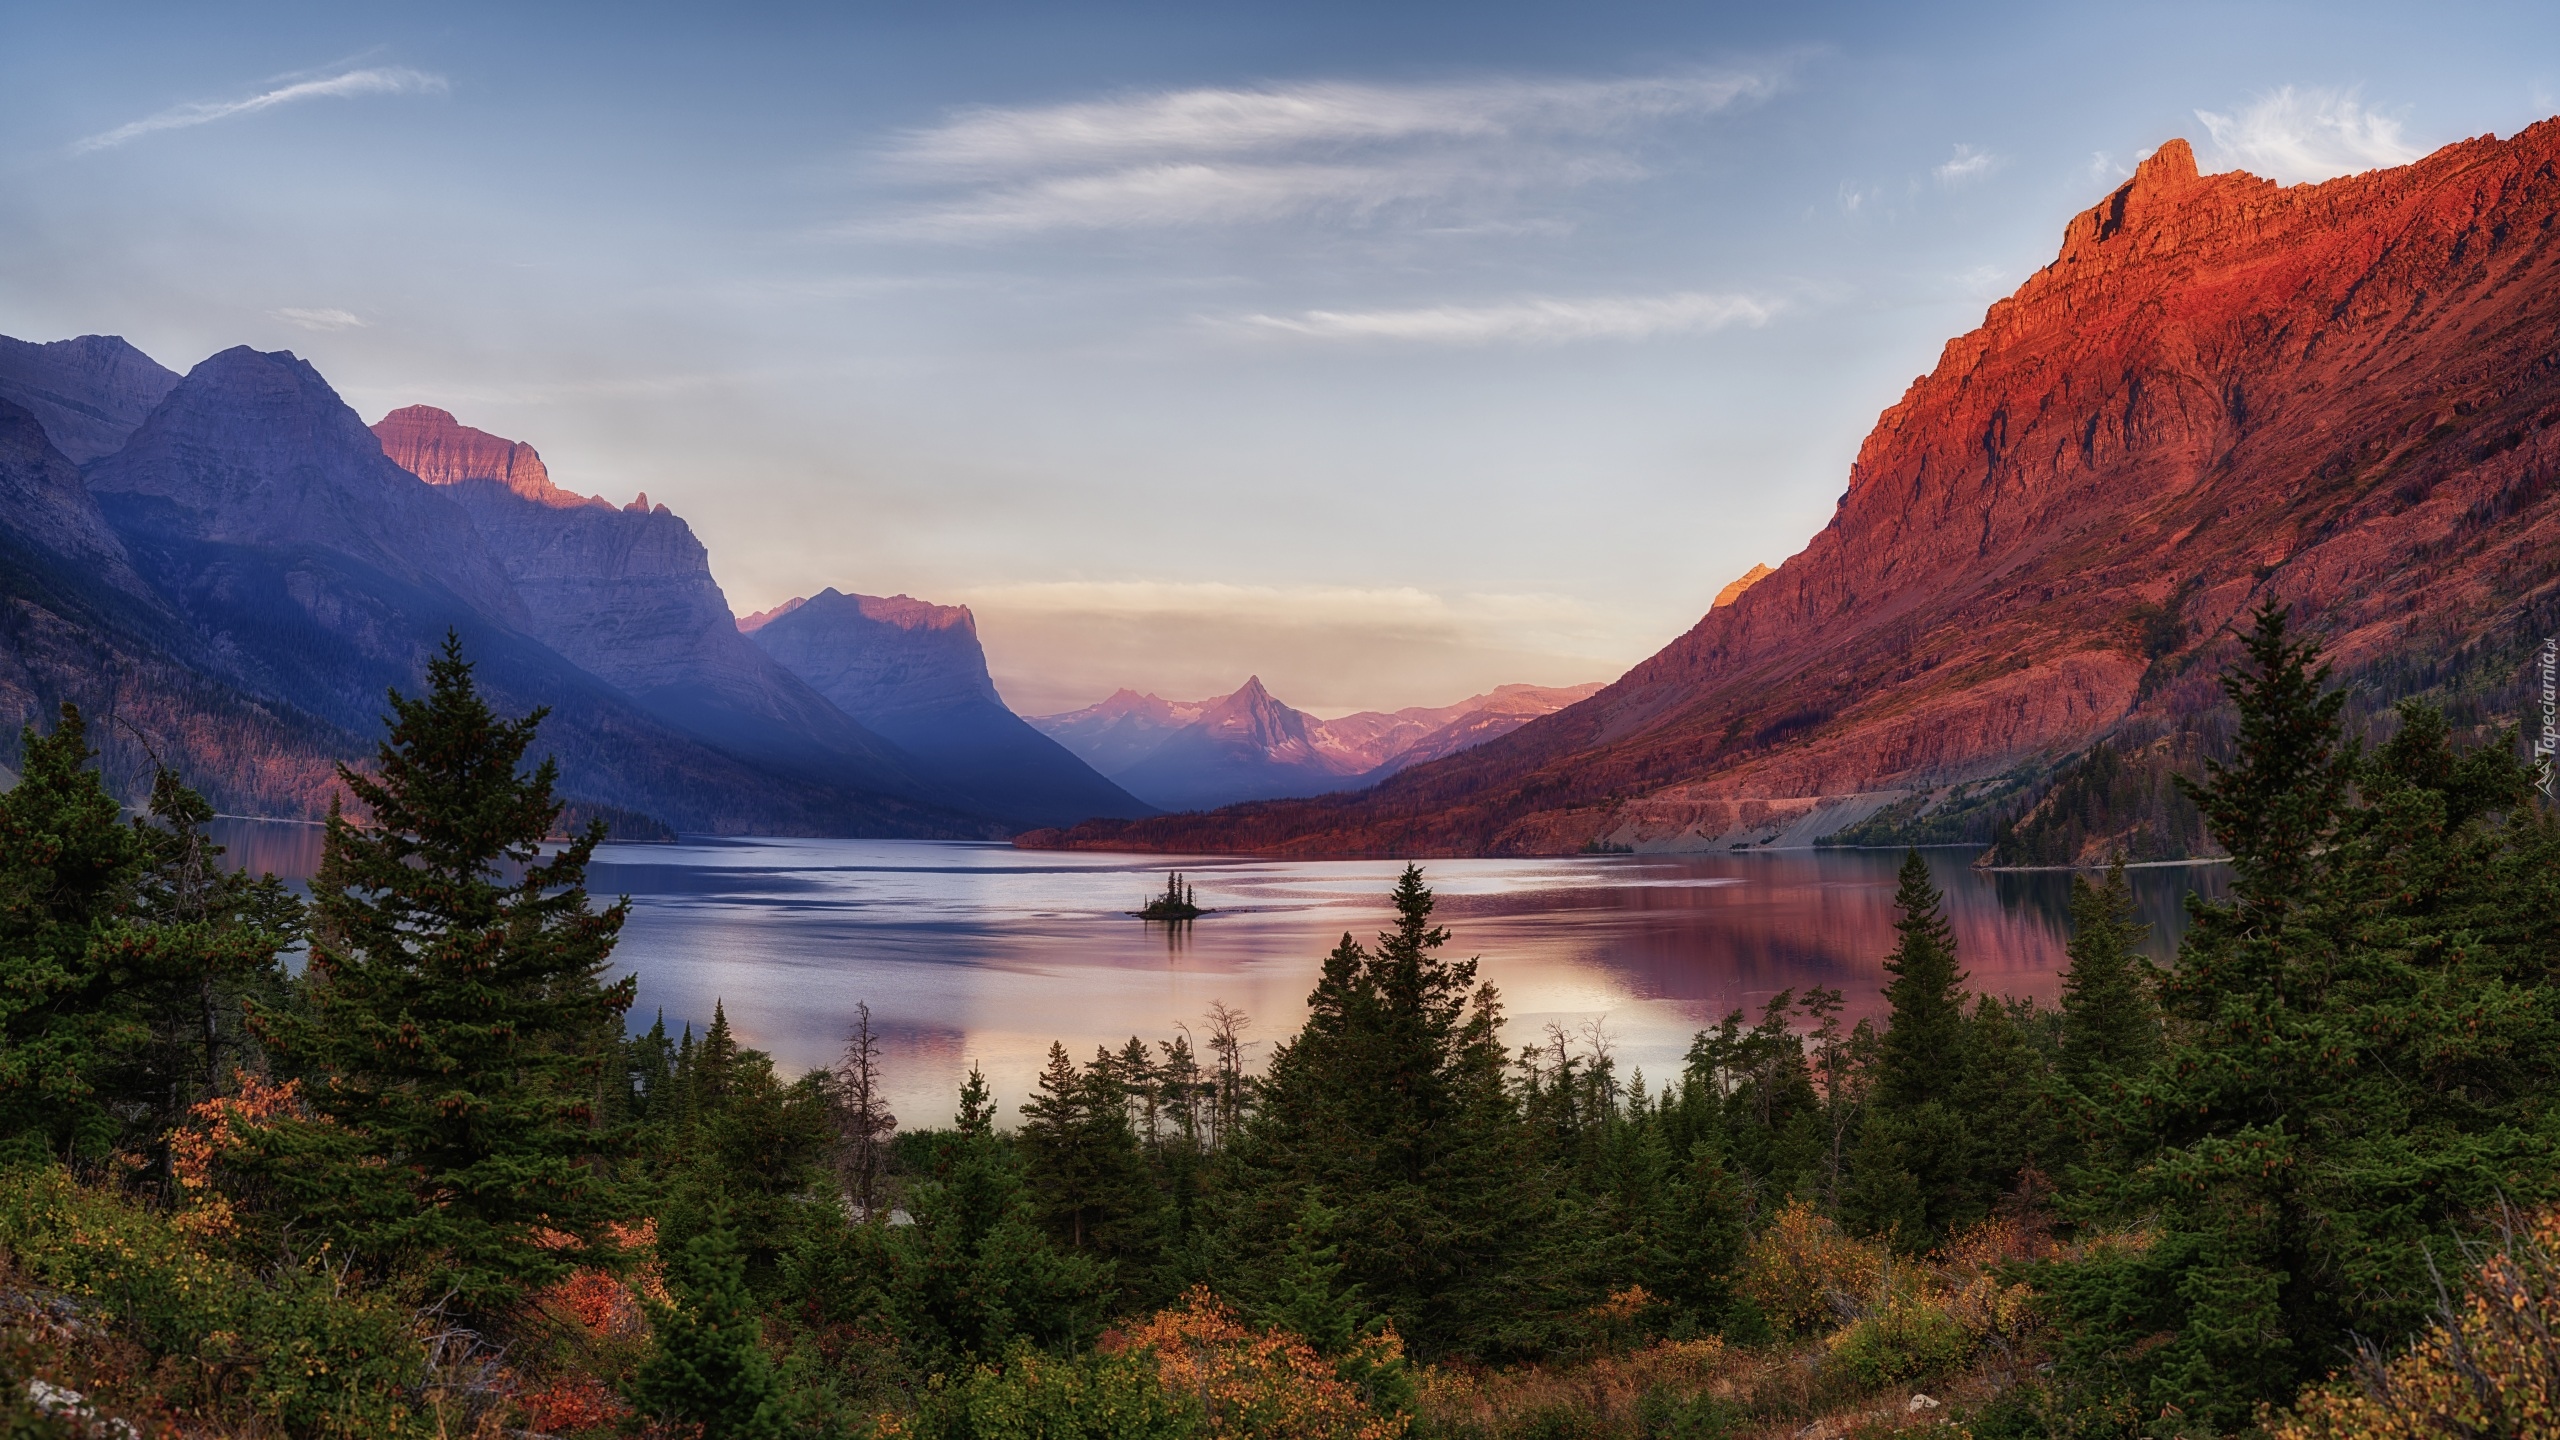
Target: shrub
296	1346
1907	1336
2489	1366
1040	1397
1805	1275
1270	1386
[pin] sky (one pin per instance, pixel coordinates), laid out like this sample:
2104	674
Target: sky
1387	351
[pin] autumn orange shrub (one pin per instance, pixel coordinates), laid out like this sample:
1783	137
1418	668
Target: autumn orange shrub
214	1129
2491	1367
1796	1267
1269	1385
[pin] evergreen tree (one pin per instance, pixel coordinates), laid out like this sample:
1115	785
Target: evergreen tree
708	1367
2361	1051
1389	1107
2110	1022
455	1005
200	942
68	868
1924	1042
1082	1158
1913	1174
975	1274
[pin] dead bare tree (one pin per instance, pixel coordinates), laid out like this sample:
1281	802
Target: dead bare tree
864	1126
1229	1098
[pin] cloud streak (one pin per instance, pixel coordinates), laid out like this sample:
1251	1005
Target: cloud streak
1228	157
391	80
1533	320
325	319
1966	166
2313	133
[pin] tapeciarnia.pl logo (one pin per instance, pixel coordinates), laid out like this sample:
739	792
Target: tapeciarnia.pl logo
2546	748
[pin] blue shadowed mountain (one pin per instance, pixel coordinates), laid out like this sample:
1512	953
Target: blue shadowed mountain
914	672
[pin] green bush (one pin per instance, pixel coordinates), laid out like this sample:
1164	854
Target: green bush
1905	1338
294	1346
1033	1396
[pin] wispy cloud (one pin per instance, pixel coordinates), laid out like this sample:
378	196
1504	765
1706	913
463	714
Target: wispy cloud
1535	320
1250	156
320	319
1967	165
392	80
2309	133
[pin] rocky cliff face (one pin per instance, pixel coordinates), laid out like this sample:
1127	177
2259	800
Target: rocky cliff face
915	673
44	504
2339	397
89	393
627	595
430	444
255	449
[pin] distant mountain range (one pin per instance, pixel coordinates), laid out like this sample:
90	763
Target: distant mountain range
1200	754
228	569
2343	398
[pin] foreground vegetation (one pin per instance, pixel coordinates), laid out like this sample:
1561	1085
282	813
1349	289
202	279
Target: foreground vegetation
430	1185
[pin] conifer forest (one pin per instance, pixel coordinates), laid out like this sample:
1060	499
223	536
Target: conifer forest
399	1159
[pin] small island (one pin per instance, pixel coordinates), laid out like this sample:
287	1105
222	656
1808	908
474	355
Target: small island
1176	903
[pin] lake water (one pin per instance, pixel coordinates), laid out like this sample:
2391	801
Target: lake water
985	953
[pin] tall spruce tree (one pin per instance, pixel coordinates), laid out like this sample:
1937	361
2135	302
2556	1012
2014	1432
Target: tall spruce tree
68	868
1389	1107
1912	1176
2362	1054
455	1010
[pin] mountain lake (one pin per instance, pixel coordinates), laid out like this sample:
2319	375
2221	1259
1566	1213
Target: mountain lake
981	953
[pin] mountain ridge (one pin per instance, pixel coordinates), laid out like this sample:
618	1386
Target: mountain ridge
2339	397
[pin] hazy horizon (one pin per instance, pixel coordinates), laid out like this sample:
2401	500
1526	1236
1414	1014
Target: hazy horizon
1390	357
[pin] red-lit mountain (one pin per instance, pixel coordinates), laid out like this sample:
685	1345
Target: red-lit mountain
2221	392
1196	754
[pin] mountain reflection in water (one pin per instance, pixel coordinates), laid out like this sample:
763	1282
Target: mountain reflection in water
986	953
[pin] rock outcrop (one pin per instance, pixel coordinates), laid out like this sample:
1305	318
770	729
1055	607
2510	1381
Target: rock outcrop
430	444
627	595
915	673
1734	588
2339	397
89	393
254	448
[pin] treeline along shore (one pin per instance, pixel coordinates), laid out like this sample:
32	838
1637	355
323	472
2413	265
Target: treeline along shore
428	1182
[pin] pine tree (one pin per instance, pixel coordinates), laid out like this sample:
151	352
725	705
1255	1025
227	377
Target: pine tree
1389	1107
200	941
708	1367
2361	1052
1912	1175
2110	1023
975	1274
1924	1043
68	868
1309	1298
455	1003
